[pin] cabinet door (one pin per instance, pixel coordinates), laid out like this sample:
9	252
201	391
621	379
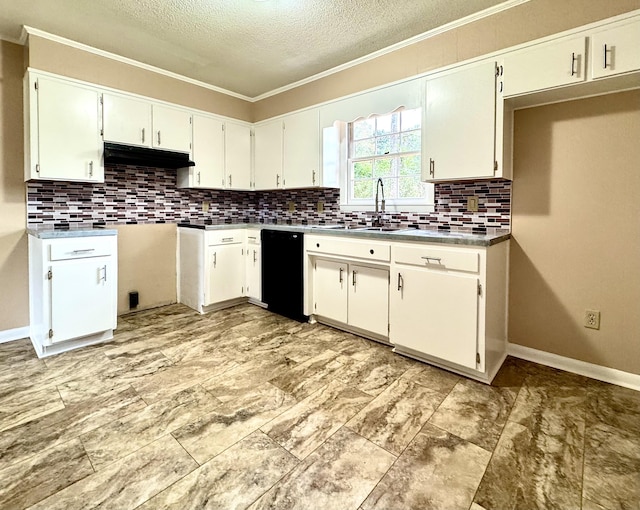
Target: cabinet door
238	155
208	152
369	299
268	156
82	299
226	266
435	313
302	149
126	120
254	272
69	143
459	124
616	50
330	290
545	66
171	129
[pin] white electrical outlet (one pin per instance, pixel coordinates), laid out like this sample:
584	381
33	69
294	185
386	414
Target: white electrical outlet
592	319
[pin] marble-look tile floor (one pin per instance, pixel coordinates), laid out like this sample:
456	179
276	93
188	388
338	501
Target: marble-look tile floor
242	408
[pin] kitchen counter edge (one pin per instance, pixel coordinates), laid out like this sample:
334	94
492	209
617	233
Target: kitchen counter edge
61	234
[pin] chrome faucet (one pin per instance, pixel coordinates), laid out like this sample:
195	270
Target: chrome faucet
377	220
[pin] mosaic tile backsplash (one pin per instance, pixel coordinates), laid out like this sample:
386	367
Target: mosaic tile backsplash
132	195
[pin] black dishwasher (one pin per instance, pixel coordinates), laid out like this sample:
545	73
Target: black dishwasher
282	272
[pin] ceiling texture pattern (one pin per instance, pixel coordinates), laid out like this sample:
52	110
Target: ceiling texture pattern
244	46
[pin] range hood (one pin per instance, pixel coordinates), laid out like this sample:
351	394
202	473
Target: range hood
116	153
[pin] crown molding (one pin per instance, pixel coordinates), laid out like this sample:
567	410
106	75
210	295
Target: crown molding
27	31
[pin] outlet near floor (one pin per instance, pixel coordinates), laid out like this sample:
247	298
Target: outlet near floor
592	319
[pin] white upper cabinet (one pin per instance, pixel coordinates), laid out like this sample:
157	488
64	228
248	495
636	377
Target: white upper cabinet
302	149
126	120
545	66
615	50
237	155
459	129
208	153
268	155
171	129
62	131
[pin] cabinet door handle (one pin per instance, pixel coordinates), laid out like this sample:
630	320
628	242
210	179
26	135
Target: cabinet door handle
399	281
255	256
436	259
230	182
313	176
158	137
215	259
432	167
90	168
143	135
341	270
105	273
574	59
277	180
606	63
353	278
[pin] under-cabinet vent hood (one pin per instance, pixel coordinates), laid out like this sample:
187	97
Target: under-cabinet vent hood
115	153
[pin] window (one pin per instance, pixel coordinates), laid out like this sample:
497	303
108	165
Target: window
387	147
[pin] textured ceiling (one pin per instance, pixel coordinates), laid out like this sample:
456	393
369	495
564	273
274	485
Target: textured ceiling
244	46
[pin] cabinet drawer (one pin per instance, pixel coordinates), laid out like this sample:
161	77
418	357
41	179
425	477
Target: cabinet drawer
81	247
253	236
362	249
214	237
437	258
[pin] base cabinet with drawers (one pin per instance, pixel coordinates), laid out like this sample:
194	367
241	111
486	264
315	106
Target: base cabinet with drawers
447	305
73	291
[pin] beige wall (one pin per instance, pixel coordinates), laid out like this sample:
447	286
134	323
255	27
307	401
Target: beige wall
147	264
14	283
526	22
576	229
57	58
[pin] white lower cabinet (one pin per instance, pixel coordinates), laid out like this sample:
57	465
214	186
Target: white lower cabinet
352	294
448	305
73	291
211	268
253	287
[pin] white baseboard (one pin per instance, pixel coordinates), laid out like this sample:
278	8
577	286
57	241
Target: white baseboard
9	335
610	375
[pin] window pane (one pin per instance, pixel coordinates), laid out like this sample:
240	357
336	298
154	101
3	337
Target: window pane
390	188
382	168
388	124
363	128
362	170
364	148
362	189
411	119
410	142
410	187
387	144
410	165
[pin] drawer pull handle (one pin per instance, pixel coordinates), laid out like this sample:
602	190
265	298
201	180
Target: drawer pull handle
227	239
429	259
87	250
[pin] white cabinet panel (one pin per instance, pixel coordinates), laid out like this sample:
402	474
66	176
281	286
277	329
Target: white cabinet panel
616	50
81	298
545	66
254	272
302	149
459	134
126	120
238	155
268	156
369	299
225	266
436	313
208	152
66	144
171	129
330	290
